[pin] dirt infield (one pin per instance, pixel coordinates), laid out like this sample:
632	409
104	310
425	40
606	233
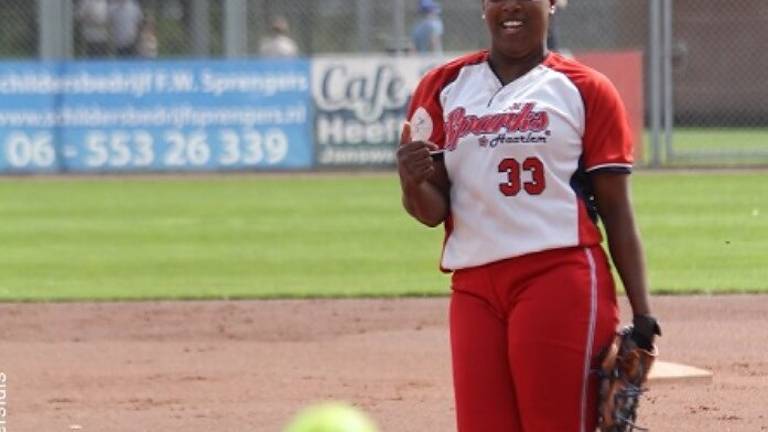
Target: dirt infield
248	365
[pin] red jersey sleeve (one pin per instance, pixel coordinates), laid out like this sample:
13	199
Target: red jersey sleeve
425	111
607	141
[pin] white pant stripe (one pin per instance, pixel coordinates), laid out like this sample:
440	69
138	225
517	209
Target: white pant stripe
590	336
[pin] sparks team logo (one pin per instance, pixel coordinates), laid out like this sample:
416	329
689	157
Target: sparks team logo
523	124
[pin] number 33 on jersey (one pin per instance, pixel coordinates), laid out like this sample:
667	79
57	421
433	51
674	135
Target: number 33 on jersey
519	155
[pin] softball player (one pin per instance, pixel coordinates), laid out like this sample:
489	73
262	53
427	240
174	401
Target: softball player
518	151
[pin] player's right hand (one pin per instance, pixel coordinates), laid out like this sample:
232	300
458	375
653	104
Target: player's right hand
414	162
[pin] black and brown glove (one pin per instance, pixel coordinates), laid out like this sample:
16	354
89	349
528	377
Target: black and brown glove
623	372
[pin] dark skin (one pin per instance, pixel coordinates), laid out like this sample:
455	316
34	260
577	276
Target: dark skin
423	180
518	48
518	30
612	192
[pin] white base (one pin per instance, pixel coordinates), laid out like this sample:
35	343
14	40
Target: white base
666	372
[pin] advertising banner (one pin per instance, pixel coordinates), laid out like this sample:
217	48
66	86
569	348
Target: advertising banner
360	105
202	115
27	118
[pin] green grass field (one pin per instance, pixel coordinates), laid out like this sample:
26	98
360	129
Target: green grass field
324	235
714	147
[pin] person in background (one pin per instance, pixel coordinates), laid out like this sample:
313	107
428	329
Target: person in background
125	19
93	20
553	38
427	34
146	46
279	44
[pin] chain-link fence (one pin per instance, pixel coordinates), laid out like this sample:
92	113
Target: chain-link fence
18	29
196	27
363	26
720	78
720	81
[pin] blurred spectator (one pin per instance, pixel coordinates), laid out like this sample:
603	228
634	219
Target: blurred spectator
553	38
93	21
427	34
279	42
147	44
125	18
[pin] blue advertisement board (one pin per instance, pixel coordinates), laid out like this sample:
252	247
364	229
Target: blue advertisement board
26	118
136	116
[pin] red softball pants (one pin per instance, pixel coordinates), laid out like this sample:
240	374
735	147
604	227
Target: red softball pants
526	334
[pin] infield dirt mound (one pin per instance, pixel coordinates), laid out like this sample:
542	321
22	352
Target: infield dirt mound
249	365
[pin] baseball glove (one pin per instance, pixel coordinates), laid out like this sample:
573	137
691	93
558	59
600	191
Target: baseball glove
623	371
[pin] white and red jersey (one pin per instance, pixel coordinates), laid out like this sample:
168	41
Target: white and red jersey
518	155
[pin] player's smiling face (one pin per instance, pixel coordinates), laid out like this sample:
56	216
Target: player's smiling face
518	27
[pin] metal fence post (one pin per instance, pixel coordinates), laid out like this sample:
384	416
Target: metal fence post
55	38
200	28
669	108
363	25
235	28
655	90
398	27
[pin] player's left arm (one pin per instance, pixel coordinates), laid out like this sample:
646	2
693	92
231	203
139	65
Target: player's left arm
612	192
608	158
